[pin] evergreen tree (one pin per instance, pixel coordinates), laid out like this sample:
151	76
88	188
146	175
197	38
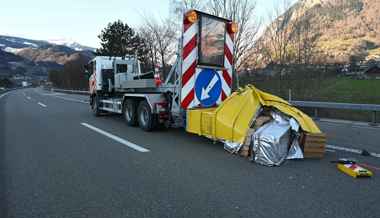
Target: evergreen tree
118	39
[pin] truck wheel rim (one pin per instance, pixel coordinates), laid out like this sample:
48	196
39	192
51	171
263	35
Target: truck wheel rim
144	116
94	106
128	113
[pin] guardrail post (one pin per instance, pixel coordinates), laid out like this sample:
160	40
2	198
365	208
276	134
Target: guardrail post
316	114
374	119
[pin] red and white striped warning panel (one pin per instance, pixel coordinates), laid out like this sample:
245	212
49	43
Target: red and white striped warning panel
204	84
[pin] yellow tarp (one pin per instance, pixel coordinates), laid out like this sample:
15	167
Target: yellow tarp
232	119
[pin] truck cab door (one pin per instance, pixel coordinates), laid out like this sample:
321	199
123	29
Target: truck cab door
123	70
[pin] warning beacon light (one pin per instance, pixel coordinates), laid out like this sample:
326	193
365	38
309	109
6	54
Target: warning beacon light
191	16
232	27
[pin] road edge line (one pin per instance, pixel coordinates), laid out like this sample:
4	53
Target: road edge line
351	150
3	95
70	99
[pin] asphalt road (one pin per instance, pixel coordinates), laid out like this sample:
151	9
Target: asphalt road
57	160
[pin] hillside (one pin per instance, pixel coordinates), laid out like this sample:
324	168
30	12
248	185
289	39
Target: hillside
339	30
37	57
8	62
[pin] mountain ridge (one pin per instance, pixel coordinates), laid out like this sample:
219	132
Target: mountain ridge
340	31
37	57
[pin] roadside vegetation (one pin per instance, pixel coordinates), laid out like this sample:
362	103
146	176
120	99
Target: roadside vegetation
327	89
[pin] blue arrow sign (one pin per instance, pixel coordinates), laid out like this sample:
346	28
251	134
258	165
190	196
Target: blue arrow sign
208	87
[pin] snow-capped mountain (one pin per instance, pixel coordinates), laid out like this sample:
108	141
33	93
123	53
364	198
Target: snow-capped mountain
18	42
37	57
71	44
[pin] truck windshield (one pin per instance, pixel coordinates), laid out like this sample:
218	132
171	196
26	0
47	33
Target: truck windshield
212	41
121	68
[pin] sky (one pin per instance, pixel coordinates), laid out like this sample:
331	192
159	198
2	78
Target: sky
82	20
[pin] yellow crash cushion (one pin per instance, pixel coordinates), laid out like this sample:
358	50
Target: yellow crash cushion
232	119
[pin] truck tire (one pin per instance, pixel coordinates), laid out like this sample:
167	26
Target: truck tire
129	112
145	117
95	106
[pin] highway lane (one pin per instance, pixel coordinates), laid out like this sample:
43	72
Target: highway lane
52	166
352	134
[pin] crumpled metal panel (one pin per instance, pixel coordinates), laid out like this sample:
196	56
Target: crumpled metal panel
279	118
295	151
270	143
294	125
232	147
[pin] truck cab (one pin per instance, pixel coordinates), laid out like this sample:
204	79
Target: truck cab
109	74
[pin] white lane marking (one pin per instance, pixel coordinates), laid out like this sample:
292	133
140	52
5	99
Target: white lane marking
351	150
330	150
52	94
42	105
58	95
4	94
28	97
70	99
116	138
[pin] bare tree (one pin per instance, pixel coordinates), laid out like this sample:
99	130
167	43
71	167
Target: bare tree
217	7
192	4
241	12
278	34
148	35
304	36
161	35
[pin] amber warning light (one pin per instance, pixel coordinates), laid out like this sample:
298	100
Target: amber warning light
232	27
191	16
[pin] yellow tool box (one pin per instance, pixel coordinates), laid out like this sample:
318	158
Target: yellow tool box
352	169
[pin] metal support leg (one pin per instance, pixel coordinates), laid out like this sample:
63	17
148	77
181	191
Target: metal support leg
374	119
316	114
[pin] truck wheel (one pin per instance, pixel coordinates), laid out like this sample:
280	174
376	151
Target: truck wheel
129	112
95	106
145	116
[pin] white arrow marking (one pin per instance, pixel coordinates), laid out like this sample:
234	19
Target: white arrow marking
206	90
42	105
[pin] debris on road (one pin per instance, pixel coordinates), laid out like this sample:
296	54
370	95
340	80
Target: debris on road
313	144
369	166
261	126
232	147
245	151
295	151
270	143
277	140
351	168
365	153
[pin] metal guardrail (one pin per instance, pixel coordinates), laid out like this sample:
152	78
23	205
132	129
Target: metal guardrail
71	91
374	108
8	90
